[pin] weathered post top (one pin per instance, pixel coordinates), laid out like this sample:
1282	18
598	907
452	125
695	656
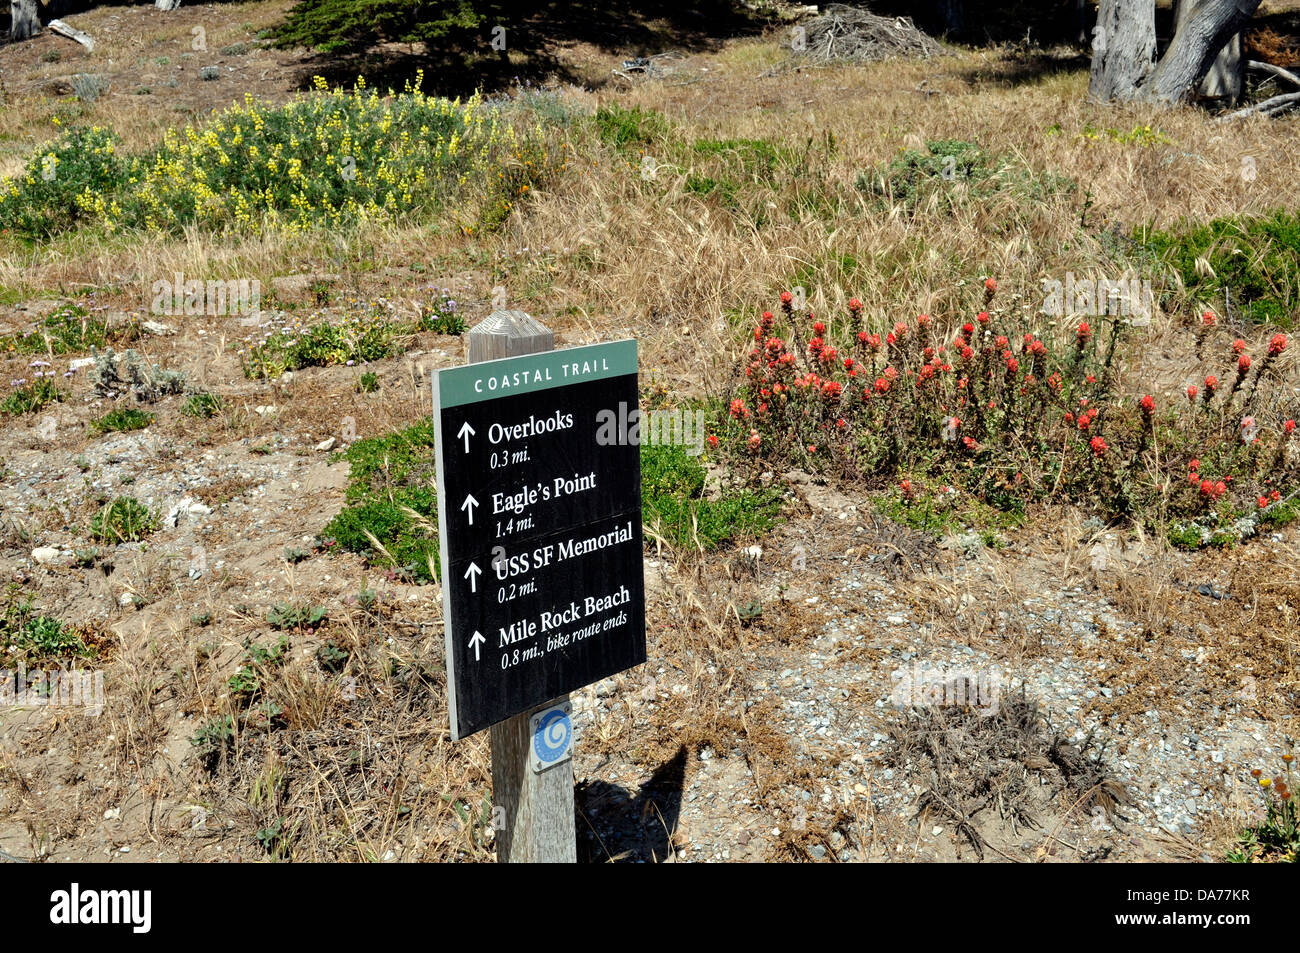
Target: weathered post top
508	334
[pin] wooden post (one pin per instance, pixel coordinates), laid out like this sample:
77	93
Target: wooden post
538	808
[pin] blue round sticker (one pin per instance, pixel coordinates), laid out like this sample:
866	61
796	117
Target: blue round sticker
551	740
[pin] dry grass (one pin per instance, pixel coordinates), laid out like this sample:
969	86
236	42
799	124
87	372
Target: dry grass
362	767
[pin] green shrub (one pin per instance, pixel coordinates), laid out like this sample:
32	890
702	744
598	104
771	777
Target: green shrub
320	161
391	496
122	420
67	330
1256	261
63	184
29	398
358	338
286	616
47	637
674	505
124	520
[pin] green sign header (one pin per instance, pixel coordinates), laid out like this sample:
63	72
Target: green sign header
508	376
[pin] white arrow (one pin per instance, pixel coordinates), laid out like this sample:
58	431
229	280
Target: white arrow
469	505
475	641
472	575
466	431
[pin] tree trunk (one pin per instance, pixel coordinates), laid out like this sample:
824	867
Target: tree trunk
1123	49
1227	75
953	14
1124	44
22	19
166	4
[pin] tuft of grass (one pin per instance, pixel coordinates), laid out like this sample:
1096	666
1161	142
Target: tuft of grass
122	420
213	740
124	520
202	405
630	130
917	174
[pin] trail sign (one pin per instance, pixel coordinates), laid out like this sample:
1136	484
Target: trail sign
539	523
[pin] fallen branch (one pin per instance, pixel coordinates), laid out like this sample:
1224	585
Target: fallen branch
1277	71
1269	107
72	33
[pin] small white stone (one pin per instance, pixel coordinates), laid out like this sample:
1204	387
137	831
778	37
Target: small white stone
325	446
46	554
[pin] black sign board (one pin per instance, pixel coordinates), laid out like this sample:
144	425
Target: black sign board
539	519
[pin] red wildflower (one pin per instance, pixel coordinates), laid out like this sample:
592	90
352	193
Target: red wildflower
855	305
982	317
1208	319
1276	345
923	320
906	487
1148	404
1084	333
713	441
1098	446
1243	364
1194	464
1262	501
1288	427
990	285
1191	392
755	440
1239	346
738	409
819	329
882	385
1211	385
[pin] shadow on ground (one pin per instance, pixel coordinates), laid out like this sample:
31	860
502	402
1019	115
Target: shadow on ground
618	826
